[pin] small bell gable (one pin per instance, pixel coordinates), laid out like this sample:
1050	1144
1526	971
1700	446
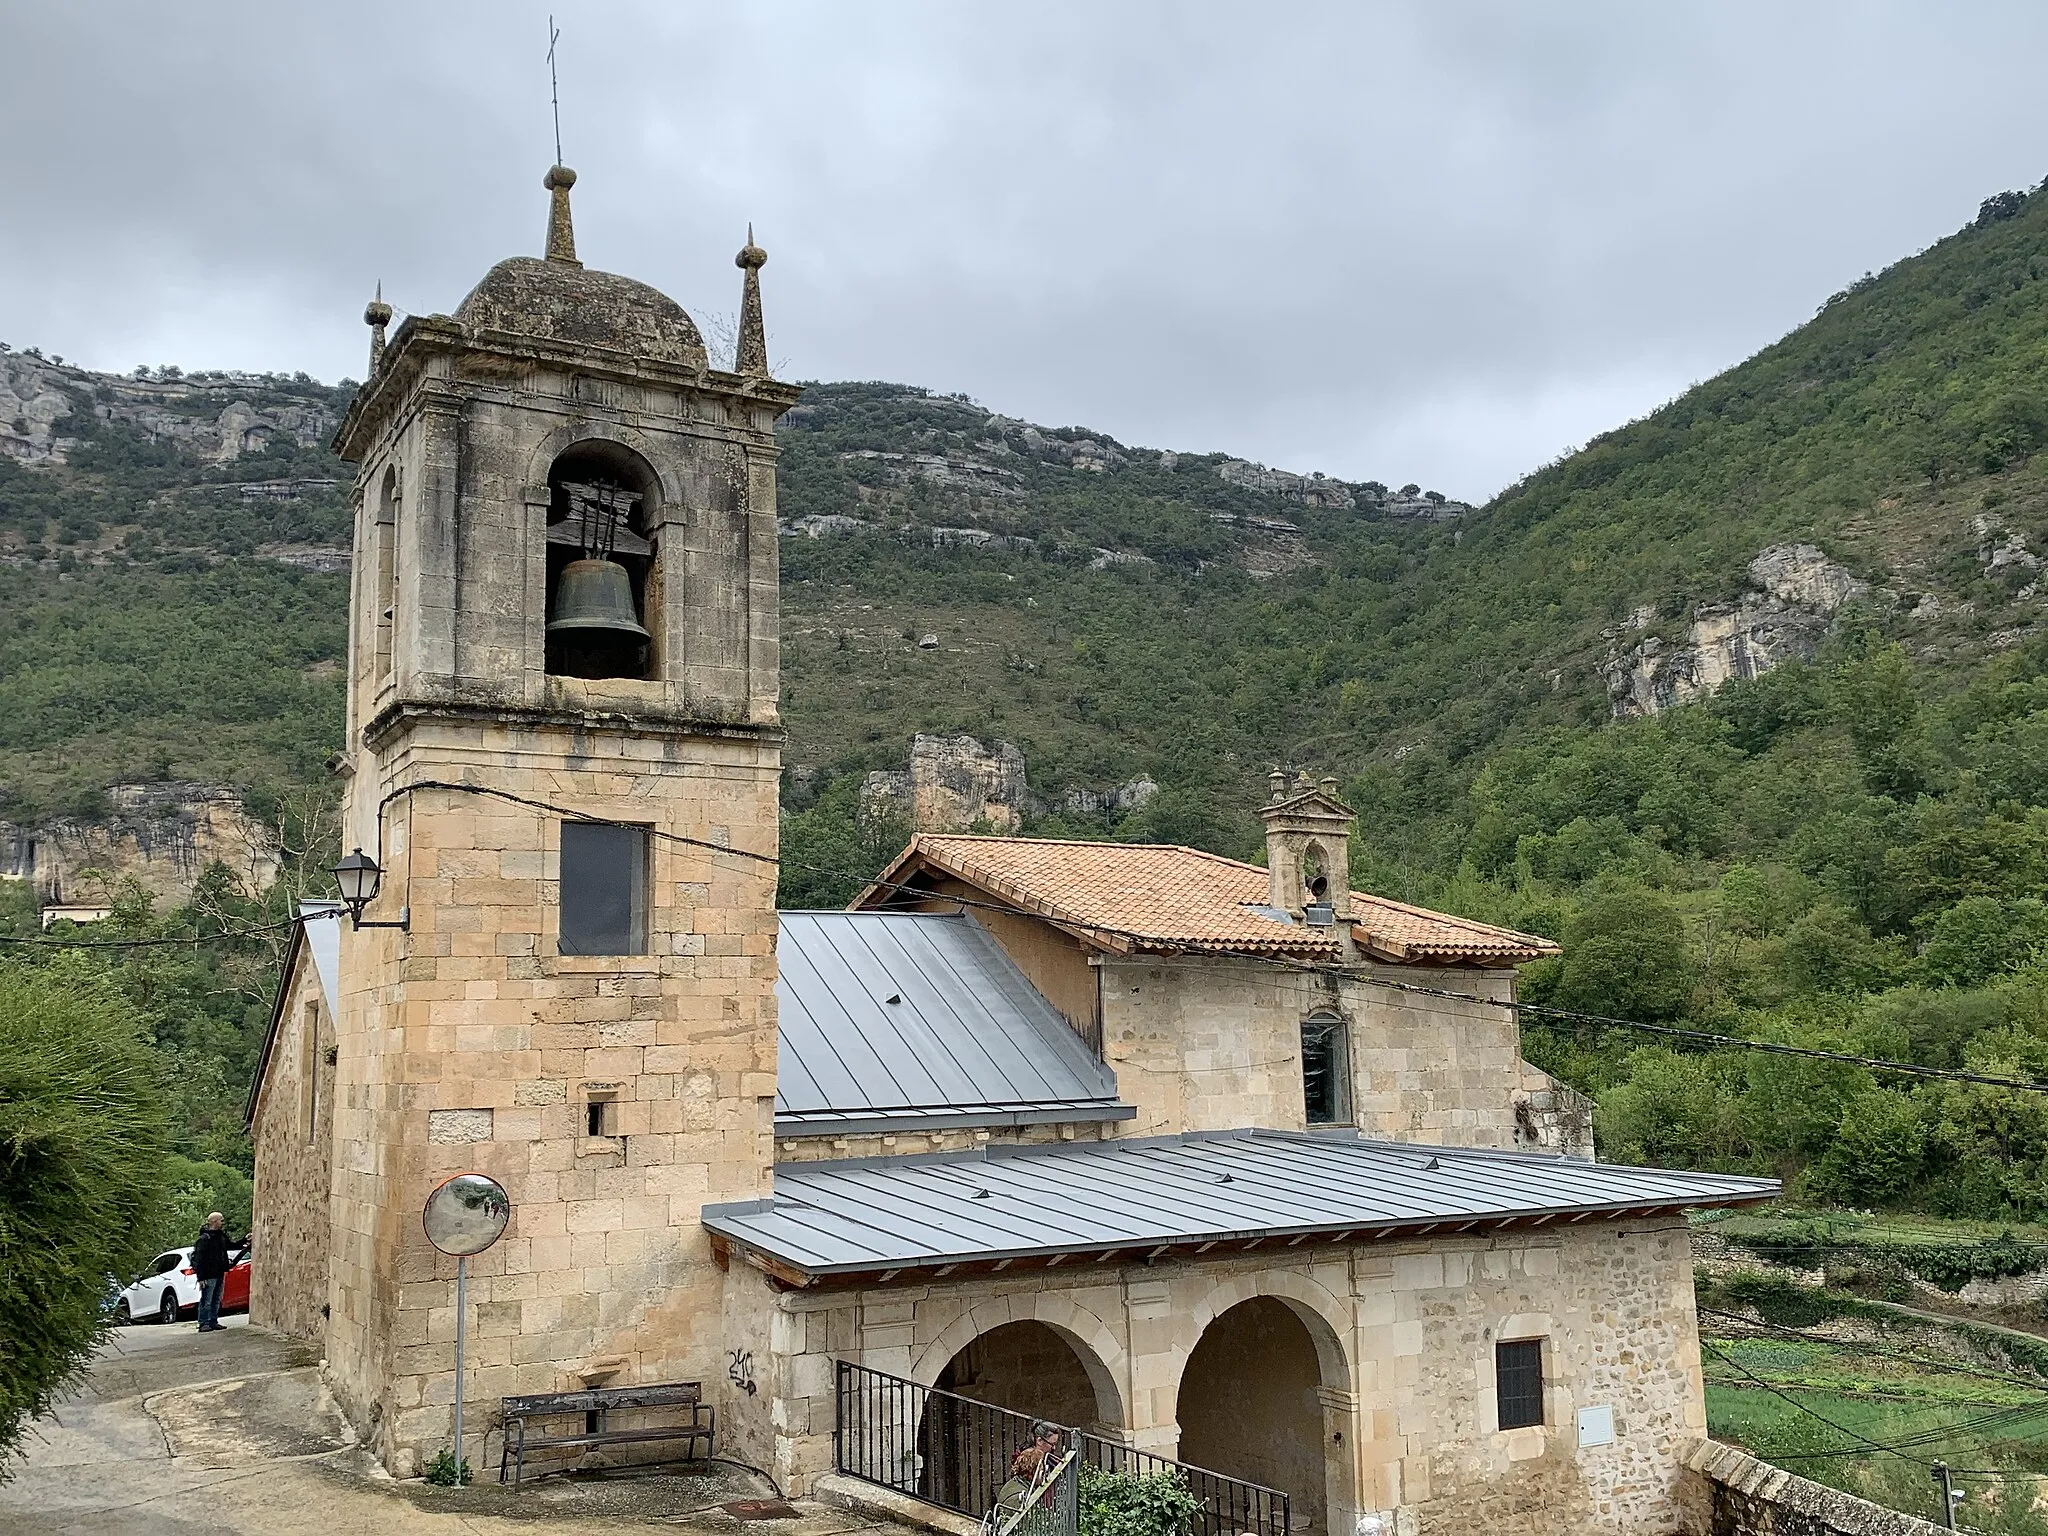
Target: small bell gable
1308	848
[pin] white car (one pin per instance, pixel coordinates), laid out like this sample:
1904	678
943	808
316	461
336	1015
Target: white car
169	1288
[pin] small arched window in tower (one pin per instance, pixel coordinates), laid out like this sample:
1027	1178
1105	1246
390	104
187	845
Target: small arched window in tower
1325	1070
601	563
384	609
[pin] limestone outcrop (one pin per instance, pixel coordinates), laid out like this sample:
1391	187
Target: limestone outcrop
210	415
960	784
1799	591
953	783
161	835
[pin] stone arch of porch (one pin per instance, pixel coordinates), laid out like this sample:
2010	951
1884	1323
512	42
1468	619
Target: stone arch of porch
1324	1314
1100	1352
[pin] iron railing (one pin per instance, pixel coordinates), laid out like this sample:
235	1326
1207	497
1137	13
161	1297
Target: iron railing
955	1452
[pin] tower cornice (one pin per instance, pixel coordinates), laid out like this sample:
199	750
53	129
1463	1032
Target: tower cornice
420	339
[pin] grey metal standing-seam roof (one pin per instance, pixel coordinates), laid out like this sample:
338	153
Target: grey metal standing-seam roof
318	932
320	921
907	1020
1018	1202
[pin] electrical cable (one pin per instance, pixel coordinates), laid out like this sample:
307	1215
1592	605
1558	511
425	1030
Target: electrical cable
2015	1414
1775	1391
1952	1368
1356	973
1707	1037
25	941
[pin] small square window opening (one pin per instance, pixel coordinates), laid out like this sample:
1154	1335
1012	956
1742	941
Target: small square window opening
1518	1382
1323	1072
604	889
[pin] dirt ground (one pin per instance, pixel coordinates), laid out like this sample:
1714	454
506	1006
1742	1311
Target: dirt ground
177	1433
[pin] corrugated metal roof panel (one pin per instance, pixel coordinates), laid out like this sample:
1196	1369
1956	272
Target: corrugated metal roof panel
848	1217
890	1017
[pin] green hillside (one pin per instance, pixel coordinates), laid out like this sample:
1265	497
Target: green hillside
1850	850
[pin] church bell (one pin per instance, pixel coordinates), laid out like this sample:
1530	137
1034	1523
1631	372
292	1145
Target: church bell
595	595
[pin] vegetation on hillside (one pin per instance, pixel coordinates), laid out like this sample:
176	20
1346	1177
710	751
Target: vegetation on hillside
1848	852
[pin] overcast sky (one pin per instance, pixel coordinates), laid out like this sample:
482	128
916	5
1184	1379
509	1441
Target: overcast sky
1440	242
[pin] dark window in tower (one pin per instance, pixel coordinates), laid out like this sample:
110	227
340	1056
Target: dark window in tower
604	889
602	564
1518	1382
1323	1071
385	604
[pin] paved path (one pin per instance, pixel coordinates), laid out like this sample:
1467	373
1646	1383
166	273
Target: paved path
176	1433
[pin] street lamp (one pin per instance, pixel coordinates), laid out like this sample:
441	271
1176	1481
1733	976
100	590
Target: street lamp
358	875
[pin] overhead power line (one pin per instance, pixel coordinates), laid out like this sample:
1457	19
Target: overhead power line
1720	1041
256	930
1360	973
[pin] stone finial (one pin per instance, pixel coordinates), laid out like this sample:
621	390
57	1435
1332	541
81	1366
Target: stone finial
376	315
1329	785
1277	779
750	357
561	233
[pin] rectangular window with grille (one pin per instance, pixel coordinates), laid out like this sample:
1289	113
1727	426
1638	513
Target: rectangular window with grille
604	889
1518	1382
1323	1072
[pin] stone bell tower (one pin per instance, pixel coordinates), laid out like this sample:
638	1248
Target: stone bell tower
562	754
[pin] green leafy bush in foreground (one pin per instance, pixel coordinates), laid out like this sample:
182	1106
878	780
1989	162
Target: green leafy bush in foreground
83	1133
1120	1504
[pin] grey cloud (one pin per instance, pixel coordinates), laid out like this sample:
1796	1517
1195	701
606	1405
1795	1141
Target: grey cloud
1431	242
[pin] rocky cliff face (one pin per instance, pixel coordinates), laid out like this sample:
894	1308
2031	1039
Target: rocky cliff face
958	783
163	836
1799	592
211	414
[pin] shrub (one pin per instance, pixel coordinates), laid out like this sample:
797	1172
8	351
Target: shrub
1120	1504
442	1471
83	1130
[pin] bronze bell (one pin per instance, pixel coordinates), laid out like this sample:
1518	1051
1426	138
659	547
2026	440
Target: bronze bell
595	595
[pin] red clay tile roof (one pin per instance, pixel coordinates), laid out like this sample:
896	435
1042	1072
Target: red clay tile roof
1158	896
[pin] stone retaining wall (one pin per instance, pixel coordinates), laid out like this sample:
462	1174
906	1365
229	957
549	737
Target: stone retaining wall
1731	1493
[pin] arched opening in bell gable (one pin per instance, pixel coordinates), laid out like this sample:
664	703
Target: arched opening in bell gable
1315	873
1249	1405
604	564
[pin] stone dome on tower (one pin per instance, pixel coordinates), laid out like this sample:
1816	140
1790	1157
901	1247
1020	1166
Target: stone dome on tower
559	299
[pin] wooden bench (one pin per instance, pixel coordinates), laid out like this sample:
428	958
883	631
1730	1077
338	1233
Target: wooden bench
593	1404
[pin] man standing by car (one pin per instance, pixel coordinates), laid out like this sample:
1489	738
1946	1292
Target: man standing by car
210	1264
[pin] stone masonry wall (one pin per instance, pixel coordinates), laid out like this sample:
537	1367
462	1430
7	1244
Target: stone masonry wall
1209	1044
1728	1492
293	1131
1403	1335
471	1043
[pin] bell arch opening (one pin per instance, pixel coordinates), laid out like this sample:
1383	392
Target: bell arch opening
1315	873
603	563
1249	1405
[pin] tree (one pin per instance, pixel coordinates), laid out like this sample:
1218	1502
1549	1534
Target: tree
1626	956
83	1134
1980	936
1877	1152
